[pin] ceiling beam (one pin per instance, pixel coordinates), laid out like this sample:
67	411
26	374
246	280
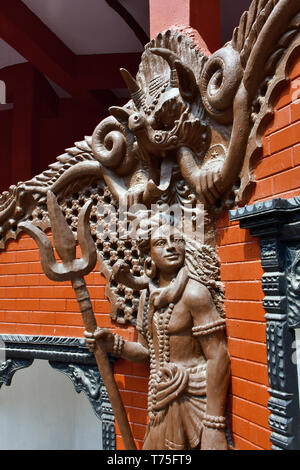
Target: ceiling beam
25	126
47	98
77	75
130	20
28	35
102	71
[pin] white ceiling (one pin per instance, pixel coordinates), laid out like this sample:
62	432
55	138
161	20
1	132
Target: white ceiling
91	26
8	56
85	26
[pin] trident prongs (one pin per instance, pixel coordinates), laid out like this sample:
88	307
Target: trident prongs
65	244
74	270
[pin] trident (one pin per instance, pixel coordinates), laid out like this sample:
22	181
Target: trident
74	270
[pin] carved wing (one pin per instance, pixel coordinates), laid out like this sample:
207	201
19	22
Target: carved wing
240	80
273	54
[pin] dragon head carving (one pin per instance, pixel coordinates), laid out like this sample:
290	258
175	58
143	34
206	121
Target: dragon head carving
166	109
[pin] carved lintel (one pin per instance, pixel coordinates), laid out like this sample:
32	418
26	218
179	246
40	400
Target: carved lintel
273	283
279	354
270	252
61	349
282	442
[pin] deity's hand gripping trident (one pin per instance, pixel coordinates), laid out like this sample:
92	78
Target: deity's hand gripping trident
74	269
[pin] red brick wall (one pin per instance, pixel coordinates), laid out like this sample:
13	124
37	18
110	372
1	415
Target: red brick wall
277	173
31	304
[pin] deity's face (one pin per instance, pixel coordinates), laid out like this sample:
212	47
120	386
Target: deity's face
167	249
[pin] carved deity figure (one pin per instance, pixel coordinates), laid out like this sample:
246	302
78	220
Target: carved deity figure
181	333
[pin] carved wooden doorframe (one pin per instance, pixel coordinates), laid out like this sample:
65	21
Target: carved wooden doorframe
68	356
277	223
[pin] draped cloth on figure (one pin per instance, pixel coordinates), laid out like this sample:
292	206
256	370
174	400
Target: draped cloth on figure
176	414
181	403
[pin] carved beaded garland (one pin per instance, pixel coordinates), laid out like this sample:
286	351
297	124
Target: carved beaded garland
210	328
118	345
161	320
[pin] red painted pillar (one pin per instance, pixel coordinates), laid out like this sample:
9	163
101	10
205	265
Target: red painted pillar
25	127
202	15
5	150
32	98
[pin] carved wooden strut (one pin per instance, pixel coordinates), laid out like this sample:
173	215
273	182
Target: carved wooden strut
189	135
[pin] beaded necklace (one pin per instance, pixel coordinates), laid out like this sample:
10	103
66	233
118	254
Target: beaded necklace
161	320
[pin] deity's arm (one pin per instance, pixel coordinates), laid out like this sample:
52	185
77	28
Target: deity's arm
206	183
121	273
209	329
136	351
124	195
218	372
